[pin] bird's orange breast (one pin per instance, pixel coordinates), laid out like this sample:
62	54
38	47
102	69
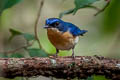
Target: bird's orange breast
62	41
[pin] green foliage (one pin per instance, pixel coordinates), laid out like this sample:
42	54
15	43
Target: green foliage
78	5
4	4
11	55
16	78
82	4
28	36
111	18
14	33
99	77
3	55
33	52
36	52
90	78
16	55
66	12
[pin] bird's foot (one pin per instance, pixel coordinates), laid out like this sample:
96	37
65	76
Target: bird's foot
73	56
55	55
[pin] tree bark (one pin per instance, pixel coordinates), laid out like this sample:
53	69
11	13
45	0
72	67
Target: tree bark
60	67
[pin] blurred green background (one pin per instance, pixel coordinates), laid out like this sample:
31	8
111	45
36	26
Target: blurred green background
103	37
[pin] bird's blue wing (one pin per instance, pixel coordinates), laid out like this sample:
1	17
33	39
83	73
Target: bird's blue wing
74	30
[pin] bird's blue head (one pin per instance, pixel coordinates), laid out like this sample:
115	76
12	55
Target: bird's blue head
53	23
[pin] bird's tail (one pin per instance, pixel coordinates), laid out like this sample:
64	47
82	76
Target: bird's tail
83	32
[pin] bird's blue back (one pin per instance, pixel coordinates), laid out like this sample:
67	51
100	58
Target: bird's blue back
74	30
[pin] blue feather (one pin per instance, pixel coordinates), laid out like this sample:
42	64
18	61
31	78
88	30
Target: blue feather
66	26
74	30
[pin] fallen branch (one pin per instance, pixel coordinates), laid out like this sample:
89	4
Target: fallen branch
61	67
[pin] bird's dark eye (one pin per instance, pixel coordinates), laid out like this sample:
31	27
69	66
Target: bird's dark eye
56	24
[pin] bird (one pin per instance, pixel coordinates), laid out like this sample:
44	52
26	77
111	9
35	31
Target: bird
63	35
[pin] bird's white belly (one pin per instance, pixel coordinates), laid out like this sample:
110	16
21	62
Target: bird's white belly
76	40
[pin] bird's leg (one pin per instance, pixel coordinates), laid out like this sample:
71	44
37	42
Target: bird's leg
73	53
57	51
